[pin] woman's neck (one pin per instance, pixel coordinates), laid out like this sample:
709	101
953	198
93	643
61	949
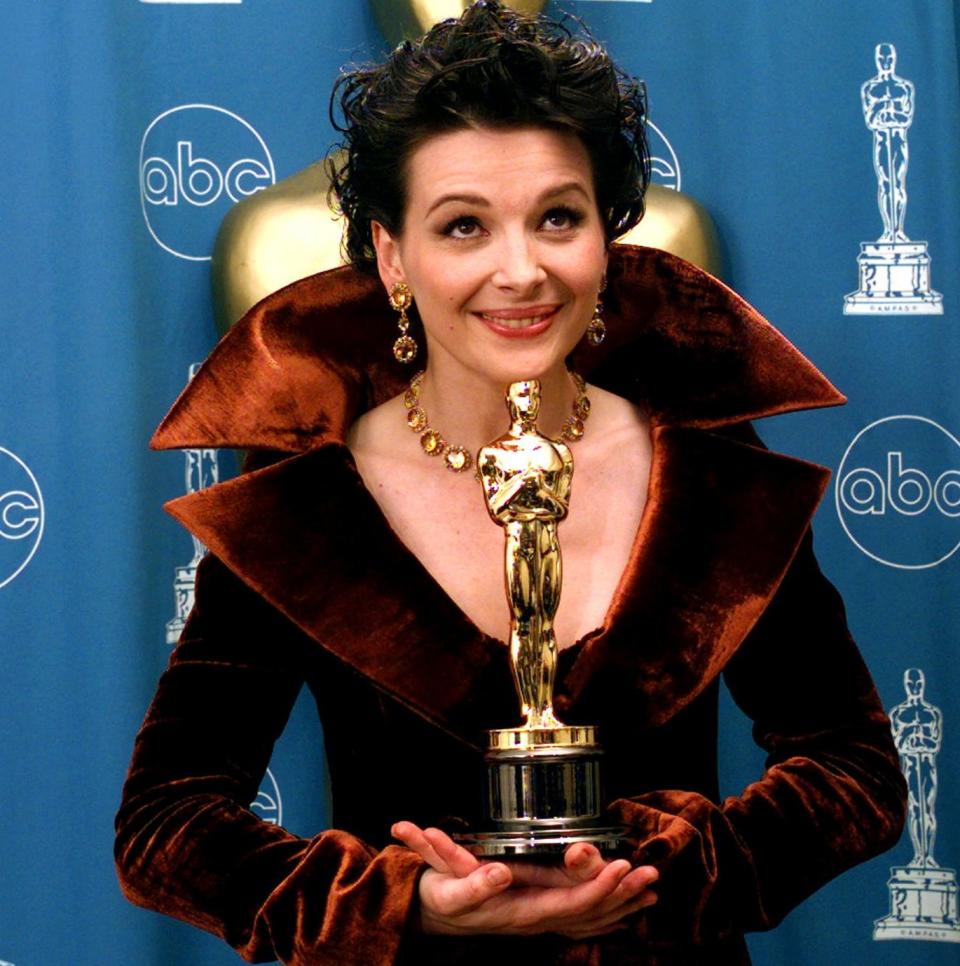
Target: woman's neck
469	409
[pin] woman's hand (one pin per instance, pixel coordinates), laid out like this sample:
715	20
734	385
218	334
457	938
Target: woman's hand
586	896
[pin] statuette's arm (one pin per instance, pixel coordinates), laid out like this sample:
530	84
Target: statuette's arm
906	104
872	106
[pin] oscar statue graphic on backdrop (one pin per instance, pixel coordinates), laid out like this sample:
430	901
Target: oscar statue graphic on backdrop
894	271
923	896
543	789
201	471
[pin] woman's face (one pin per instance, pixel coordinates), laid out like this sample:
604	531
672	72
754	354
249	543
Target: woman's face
503	248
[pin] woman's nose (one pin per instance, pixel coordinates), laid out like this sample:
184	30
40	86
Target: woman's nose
518	264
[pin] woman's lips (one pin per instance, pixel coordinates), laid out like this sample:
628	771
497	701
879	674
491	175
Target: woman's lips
522	323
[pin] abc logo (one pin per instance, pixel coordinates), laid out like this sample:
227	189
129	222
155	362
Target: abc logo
21	515
898	492
664	164
268	803
197	160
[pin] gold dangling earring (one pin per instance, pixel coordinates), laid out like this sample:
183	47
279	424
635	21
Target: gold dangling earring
401	298
596	327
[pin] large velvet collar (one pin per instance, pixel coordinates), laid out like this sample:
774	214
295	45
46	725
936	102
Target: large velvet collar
723	519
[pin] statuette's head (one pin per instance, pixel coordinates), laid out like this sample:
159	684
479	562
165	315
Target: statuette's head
886	55
913	682
523	400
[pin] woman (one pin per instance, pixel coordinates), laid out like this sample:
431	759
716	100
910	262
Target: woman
489	167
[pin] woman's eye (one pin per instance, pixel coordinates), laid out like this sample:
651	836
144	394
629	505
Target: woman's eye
555	220
463	227
561	219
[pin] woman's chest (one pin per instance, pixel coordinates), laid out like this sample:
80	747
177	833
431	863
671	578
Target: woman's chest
448	529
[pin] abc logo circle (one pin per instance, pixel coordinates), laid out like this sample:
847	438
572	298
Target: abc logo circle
196	160
664	163
898	492
268	803
21	515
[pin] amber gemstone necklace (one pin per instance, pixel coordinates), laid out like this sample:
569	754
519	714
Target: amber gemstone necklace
458	458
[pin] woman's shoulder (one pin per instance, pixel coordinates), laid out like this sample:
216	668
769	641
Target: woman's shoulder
375	434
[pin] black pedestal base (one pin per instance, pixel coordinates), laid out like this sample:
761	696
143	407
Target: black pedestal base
543	794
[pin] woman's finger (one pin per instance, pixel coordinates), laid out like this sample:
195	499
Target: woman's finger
449	897
627	909
597	904
583	861
632	883
631	889
616	918
554	907
459	861
482	884
413	838
649	898
639	878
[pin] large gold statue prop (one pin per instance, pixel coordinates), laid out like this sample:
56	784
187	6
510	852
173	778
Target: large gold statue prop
543	778
408	19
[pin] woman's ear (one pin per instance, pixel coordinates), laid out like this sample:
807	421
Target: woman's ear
389	264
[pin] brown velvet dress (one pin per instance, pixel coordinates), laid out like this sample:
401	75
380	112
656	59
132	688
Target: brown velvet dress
306	582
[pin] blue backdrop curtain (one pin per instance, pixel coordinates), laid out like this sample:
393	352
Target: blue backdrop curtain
130	127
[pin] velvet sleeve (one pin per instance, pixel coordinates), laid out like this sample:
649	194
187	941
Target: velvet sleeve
831	796
187	844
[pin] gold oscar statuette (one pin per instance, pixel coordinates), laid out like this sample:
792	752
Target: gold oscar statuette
543	789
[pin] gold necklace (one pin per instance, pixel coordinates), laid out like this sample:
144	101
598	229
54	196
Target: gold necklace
458	458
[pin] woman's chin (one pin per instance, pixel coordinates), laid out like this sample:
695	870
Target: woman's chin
522	360
518	369
501	364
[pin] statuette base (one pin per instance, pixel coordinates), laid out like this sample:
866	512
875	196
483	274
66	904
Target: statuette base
894	279
923	905
543	845
543	793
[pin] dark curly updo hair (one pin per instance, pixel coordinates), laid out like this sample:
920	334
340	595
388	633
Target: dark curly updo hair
491	67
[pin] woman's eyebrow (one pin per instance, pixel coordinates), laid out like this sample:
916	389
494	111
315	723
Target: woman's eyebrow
477	200
482	202
563	189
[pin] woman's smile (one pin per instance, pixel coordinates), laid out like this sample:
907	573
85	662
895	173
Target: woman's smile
519	323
